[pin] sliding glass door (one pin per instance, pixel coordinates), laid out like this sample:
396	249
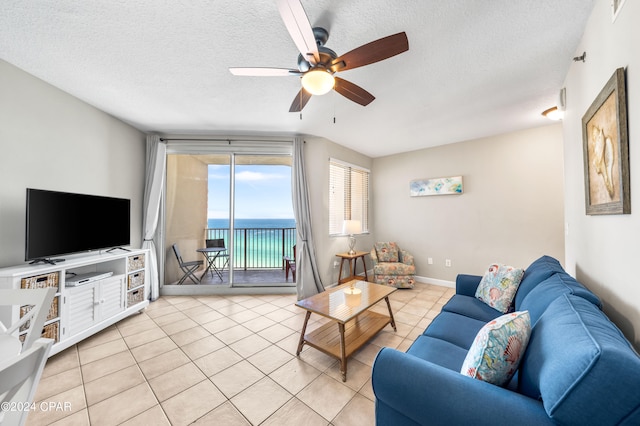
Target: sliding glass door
264	227
239	202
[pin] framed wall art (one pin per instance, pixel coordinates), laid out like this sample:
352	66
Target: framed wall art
436	186
606	150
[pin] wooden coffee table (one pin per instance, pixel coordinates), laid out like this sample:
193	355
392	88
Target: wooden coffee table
348	306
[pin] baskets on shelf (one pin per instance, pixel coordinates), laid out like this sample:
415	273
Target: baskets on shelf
53	312
41	281
135	296
49	331
135	262
135	280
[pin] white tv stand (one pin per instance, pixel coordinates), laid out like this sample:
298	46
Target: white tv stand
119	288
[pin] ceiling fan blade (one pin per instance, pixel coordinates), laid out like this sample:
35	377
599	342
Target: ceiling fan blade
300	101
297	23
264	72
353	92
369	53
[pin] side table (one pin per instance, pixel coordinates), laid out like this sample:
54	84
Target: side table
353	260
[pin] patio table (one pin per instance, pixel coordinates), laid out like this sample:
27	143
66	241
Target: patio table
211	254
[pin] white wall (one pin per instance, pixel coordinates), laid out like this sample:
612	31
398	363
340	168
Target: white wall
52	140
511	210
317	154
602	251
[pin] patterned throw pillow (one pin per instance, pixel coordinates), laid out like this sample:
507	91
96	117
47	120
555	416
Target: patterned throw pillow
387	252
499	285
498	348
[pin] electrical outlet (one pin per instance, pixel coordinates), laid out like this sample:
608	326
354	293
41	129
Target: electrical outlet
430	260
447	262
335	264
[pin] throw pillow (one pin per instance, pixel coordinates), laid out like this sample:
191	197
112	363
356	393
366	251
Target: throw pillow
387	252
498	348
499	285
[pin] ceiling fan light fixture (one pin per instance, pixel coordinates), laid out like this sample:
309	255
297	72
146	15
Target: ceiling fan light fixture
553	113
318	81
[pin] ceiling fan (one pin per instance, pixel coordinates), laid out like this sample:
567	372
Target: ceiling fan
317	64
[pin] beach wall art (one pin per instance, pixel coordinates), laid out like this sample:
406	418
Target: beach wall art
436	186
606	150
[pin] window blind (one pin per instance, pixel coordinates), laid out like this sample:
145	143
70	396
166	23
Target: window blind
348	195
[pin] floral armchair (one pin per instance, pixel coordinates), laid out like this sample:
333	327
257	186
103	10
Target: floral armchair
392	266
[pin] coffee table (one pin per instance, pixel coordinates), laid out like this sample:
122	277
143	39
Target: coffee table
348	306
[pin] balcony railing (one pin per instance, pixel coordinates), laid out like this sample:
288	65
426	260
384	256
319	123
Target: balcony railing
257	248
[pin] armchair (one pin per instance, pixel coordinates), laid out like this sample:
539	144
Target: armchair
392	266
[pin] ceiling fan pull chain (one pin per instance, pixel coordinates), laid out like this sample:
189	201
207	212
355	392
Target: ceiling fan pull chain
334	106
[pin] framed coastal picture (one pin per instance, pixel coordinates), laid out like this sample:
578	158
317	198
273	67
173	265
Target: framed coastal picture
606	150
436	186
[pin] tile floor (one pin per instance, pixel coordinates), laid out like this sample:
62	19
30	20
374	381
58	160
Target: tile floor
223	360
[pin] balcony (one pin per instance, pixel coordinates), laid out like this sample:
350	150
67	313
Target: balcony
257	256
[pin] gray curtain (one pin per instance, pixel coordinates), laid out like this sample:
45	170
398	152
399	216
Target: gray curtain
156	162
308	280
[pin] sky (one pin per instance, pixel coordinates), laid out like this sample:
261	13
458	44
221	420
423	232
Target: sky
262	192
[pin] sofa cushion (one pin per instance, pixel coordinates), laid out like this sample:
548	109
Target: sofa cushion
386	252
576	358
499	285
497	350
539	298
437	351
454	328
471	307
538	271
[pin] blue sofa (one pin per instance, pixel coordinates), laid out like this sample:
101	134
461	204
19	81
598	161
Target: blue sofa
578	368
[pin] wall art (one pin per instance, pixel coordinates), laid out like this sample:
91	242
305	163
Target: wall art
606	150
436	186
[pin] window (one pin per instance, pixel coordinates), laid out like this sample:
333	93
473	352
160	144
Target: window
348	195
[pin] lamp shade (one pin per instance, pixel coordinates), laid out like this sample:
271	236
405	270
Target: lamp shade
350	227
318	81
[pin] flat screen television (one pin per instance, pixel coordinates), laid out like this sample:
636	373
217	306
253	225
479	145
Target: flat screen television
59	223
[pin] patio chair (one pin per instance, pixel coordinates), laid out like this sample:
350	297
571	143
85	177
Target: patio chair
290	265
187	267
219	242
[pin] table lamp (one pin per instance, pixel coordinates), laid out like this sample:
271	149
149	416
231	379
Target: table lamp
350	227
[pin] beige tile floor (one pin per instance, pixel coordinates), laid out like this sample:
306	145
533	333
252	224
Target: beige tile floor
223	360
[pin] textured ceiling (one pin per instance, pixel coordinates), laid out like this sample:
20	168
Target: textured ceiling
473	69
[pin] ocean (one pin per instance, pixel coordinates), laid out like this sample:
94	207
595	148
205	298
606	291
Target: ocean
259	243
253	223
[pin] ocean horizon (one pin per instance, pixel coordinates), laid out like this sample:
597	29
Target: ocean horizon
252	223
